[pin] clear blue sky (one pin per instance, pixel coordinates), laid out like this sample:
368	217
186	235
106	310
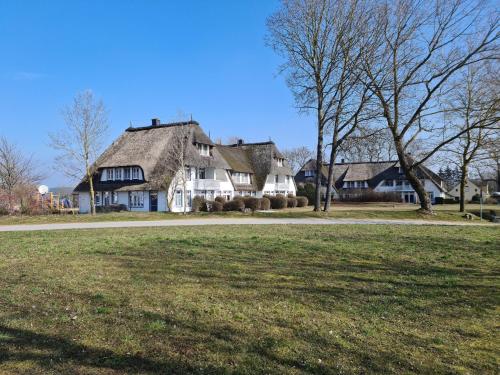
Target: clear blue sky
145	59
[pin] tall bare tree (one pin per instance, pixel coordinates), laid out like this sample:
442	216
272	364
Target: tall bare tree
172	172
417	49
17	171
297	157
302	31
474	100
82	139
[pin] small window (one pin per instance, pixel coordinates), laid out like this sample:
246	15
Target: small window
187	174
109	174
126	174
309	173
106	198
136	199
97	198
399	183
388	182
118	173
201	173
189	198
115	197
280	162
204	149
135	173
276	179
178	198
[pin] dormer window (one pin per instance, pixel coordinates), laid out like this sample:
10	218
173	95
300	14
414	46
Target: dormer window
203	149
309	173
241	178
280	162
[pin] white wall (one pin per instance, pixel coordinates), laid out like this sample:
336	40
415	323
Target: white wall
470	190
272	187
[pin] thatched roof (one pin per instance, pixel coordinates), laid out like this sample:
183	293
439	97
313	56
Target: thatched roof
147	146
259	159
372	172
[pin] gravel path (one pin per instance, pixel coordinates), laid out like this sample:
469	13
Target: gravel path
224	221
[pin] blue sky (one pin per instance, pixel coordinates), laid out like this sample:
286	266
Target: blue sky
145	59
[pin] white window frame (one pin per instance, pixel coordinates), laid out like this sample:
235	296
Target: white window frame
136	173
114	198
280	162
118	174
204	149
187	173
178	198
309	173
136	199
199	172
126	173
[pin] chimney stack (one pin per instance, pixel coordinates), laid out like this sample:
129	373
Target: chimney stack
342	161
240	142
155	122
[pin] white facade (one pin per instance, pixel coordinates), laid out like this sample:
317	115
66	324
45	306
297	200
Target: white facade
278	184
470	190
407	192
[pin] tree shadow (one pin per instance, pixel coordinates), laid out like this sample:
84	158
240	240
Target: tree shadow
60	354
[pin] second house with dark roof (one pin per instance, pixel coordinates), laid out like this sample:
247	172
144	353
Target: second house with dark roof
127	172
351	179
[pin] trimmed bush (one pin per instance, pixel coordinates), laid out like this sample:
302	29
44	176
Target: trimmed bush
439	200
216	206
198	204
265	203
234	205
302	201
111	208
252	203
307	190
292	202
279	202
368	195
221	200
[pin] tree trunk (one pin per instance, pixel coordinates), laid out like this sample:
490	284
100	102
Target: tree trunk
417	185
319	163
329	184
463	179
91	185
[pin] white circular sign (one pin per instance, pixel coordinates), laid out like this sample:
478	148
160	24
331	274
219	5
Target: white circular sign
43	189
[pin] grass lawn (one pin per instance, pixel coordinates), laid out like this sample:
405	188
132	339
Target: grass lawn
251	299
339	211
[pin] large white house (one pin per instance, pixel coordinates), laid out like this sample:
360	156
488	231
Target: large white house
127	172
351	179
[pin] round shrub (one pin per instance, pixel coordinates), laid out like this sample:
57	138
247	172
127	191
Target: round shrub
252	203
220	199
265	203
302	201
198	204
234	205
216	206
279	202
292	202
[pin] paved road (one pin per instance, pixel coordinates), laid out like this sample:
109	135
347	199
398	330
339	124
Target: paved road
221	221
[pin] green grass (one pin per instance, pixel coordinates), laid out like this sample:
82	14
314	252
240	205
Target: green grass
251	299
339	211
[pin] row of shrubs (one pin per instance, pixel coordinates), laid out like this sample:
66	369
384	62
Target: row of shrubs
247	203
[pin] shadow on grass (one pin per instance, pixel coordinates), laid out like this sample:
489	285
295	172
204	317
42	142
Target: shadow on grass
57	353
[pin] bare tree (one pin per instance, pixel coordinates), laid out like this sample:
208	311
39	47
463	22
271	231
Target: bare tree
302	31
372	145
297	157
82	139
417	49
172	172
474	100
17	171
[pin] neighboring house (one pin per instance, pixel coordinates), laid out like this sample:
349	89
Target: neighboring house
351	179
125	173
258	169
471	188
